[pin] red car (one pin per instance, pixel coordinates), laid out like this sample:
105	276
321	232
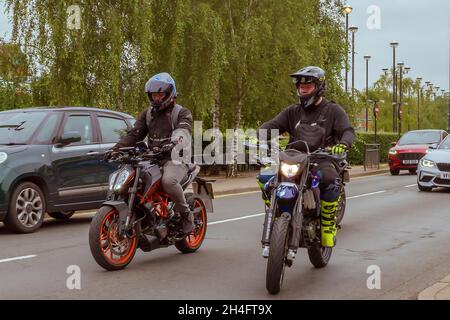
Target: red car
413	145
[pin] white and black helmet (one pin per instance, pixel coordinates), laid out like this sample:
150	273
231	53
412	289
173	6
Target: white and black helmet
314	75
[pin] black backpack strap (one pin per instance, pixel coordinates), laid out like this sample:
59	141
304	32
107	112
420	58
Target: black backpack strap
149	117
173	119
175	113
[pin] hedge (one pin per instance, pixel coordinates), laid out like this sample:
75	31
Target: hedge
356	155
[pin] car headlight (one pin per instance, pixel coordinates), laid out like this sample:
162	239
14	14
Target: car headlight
392	152
3	157
428	163
289	170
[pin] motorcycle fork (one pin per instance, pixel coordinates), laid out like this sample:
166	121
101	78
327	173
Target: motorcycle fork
297	215
132	192
296	224
268	220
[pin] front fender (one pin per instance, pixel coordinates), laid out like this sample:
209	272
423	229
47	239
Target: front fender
287	194
122	209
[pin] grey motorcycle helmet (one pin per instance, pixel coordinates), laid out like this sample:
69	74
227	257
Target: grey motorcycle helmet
310	74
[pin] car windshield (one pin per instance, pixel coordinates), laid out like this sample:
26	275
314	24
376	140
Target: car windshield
19	127
445	144
420	137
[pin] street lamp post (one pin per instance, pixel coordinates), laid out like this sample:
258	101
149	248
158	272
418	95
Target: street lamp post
347	10
394	45
419	91
399	105
436	91
376	110
353	30
402	71
367	58
407	70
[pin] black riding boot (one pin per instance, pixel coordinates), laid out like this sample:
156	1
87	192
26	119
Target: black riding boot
187	222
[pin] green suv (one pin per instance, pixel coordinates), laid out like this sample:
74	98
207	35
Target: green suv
51	162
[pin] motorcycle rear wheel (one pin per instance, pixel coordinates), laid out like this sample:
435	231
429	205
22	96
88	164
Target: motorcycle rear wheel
193	242
319	256
109	249
341	207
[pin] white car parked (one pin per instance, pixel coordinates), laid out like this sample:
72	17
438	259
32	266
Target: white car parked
434	168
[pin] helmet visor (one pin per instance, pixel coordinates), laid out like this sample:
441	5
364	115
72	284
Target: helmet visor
156	86
303	80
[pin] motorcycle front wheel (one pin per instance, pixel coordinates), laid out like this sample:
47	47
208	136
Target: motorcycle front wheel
277	254
109	249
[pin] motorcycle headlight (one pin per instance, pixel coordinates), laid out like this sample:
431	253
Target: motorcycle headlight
392	152
428	163
122	179
112	179
289	170
3	157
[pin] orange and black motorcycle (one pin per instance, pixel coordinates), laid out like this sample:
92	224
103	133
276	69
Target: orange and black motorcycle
139	214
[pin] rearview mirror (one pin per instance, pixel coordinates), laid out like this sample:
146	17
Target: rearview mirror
68	138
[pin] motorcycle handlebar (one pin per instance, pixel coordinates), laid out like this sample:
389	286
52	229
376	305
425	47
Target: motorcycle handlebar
126	155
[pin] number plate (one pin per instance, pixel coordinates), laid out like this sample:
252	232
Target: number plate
445	175
410	161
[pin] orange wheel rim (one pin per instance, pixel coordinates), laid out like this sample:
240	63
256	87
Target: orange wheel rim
115	249
196	237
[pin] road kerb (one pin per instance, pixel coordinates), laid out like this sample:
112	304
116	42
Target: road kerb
430	293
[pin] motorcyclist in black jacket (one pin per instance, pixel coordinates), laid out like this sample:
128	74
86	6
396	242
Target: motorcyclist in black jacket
164	123
321	123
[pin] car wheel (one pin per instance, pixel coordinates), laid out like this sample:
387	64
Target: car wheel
395	172
425	189
26	208
64	215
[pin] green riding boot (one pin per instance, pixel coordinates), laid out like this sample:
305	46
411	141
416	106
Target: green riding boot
328	223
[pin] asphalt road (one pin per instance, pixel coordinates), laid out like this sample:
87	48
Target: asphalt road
388	223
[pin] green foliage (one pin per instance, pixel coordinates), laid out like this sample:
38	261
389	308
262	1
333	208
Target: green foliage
235	55
356	154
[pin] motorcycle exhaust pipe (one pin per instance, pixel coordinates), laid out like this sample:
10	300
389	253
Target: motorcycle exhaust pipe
149	243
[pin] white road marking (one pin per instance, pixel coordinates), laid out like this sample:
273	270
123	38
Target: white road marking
18	258
235	219
261	214
411	185
210	223
366	194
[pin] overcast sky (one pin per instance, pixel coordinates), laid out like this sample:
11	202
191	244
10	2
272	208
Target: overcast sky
421	27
